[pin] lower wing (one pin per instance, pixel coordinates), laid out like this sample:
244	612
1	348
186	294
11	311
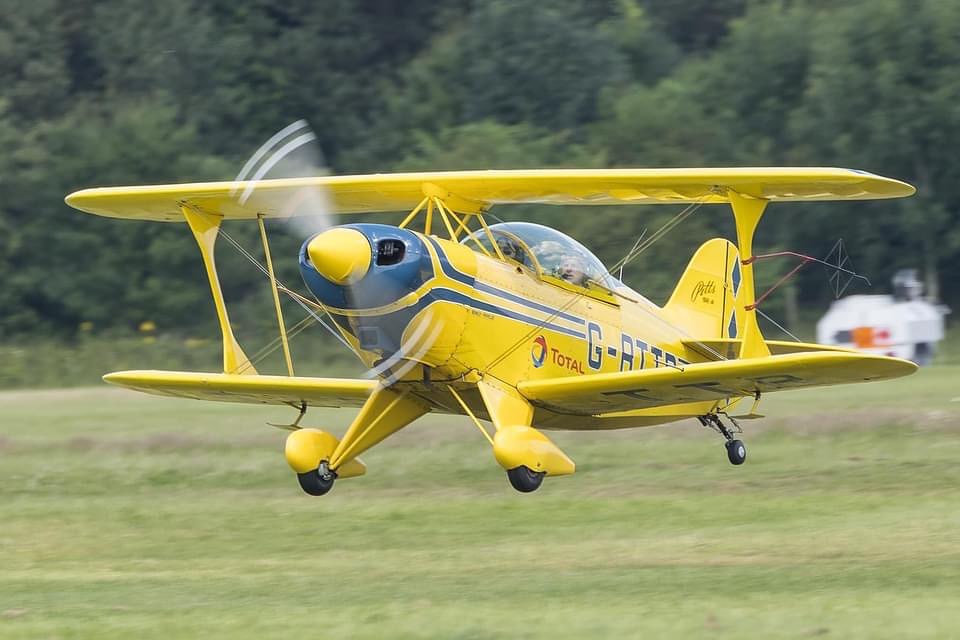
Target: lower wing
627	390
315	392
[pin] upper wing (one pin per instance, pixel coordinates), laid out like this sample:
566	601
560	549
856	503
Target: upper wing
317	392
481	189
627	390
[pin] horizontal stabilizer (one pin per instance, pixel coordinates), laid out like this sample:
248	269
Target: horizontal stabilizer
250	389
728	348
628	390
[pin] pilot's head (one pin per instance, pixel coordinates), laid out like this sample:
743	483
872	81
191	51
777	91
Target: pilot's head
509	248
572	270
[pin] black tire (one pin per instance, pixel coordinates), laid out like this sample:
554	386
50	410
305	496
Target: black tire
736	452
524	479
312	483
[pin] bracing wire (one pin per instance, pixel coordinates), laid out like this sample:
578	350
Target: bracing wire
777	324
271	346
642	245
275	343
630	255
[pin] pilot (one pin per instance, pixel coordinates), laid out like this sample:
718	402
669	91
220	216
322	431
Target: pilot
572	270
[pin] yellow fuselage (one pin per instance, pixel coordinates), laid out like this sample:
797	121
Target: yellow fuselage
480	316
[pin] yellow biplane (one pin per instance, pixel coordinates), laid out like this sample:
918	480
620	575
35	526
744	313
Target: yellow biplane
513	323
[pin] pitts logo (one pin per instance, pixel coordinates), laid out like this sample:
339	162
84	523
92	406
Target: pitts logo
539	351
703	289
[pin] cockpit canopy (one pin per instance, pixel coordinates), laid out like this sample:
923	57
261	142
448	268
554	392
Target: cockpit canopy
545	250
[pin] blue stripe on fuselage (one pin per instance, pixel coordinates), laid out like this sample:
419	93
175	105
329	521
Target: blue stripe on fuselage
455	296
481	286
397	321
448	269
451	272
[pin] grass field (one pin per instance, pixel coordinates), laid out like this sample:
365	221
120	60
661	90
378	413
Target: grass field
129	516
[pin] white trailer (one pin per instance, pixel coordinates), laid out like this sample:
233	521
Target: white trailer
904	325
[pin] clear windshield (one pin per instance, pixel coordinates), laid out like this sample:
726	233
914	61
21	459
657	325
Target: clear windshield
510	246
557	254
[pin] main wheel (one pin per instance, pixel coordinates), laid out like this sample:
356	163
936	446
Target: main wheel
315	484
525	479
736	452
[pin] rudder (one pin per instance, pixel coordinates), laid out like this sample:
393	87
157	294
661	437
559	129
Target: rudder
704	302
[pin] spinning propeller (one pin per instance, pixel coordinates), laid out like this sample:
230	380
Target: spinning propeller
341	255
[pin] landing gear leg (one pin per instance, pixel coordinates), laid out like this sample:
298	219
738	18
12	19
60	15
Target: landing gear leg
736	450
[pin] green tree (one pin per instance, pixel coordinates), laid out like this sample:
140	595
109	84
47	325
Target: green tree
883	95
526	61
72	268
33	60
695	25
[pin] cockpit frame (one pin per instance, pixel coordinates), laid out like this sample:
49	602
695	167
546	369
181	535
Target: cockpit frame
438	203
560	245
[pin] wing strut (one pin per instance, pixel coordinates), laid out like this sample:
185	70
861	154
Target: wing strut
205	228
747	212
449	208
276	296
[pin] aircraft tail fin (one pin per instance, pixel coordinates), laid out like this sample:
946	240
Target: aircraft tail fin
704	302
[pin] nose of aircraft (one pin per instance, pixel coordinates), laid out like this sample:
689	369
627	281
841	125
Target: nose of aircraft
341	255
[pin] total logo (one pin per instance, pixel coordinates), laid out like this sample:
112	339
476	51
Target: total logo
538	353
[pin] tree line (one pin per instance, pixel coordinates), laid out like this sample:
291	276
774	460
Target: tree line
111	92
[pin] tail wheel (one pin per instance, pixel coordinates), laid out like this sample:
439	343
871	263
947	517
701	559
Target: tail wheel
524	479
315	483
